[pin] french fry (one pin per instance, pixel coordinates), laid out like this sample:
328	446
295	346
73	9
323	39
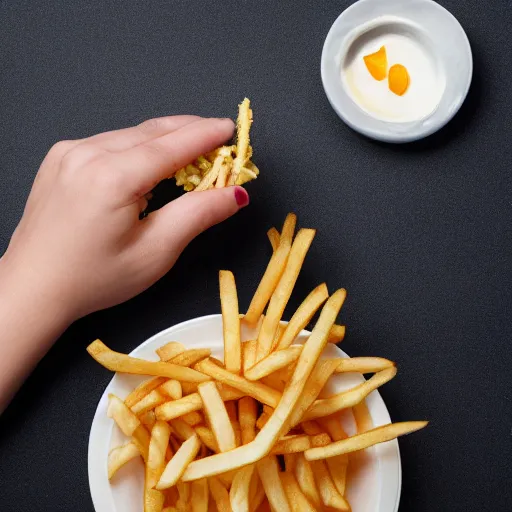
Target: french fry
243	123
230	322
349	398
274	381
191	357
311	428
172	388
149	402
268	470
170	509
306	481
249	354
219	164
291	444
188	388
170	350
125	419
238	433
272	274
153	500
193	418
247	414
363	417
227	478
249	453
191	403
177	465
256	492
175	443
290	460
158	444
239	492
275	361
184	492
363	364
273	237
143	390
217	416
118	457
148	419
337	465
182	429
297	500
314	385
303	316
328	492
141	439
365	440
199	495
336	334
283	291
116	362
257	390
219	494
207	438
231	410
262	420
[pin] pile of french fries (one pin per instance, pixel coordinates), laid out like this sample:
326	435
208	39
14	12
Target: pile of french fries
252	432
227	165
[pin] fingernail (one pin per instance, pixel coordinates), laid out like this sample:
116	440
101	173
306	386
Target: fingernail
241	197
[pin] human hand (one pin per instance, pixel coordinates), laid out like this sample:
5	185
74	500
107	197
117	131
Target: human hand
80	245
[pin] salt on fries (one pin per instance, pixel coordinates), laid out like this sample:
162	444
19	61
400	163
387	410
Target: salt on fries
211	433
227	165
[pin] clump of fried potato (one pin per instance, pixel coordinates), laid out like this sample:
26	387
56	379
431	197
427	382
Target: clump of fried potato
227	165
257	431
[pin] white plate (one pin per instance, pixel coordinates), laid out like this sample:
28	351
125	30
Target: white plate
374	482
423	24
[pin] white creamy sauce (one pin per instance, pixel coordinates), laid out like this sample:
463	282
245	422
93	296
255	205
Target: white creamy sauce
375	98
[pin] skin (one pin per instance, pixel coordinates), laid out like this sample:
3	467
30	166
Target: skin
80	246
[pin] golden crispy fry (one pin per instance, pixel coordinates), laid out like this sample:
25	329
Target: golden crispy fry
337	465
256	493
126	420
275	361
328	492
174	442
283	291
156	456
247	414
272	431
311	428
219	494
262	420
123	363
118	457
306	481
363	364
243	125
199	495
207	438
297	500
361	441
303	316
191	357
191	403
184	492
149	402
363	417
219	164
230	322
153	500
249	354
272	274
217	416
273	237
177	465
170	350
141	438
238	433
274	381
172	388
291	444
239	493
224	171
227	478
257	390
290	460
188	388
316	381
193	418
349	398
148	419
143	390
231	410
337	334
182	429
268	470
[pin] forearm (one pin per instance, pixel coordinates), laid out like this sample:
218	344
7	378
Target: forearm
30	322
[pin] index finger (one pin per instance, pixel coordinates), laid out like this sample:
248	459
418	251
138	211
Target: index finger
145	165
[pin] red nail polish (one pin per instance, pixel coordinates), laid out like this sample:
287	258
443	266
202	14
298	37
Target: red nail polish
241	197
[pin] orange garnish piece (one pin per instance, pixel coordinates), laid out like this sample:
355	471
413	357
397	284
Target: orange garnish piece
398	79
377	64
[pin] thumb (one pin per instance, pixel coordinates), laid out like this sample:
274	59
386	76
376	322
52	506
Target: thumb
179	222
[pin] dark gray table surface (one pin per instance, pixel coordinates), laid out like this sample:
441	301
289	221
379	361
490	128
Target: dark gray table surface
419	234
